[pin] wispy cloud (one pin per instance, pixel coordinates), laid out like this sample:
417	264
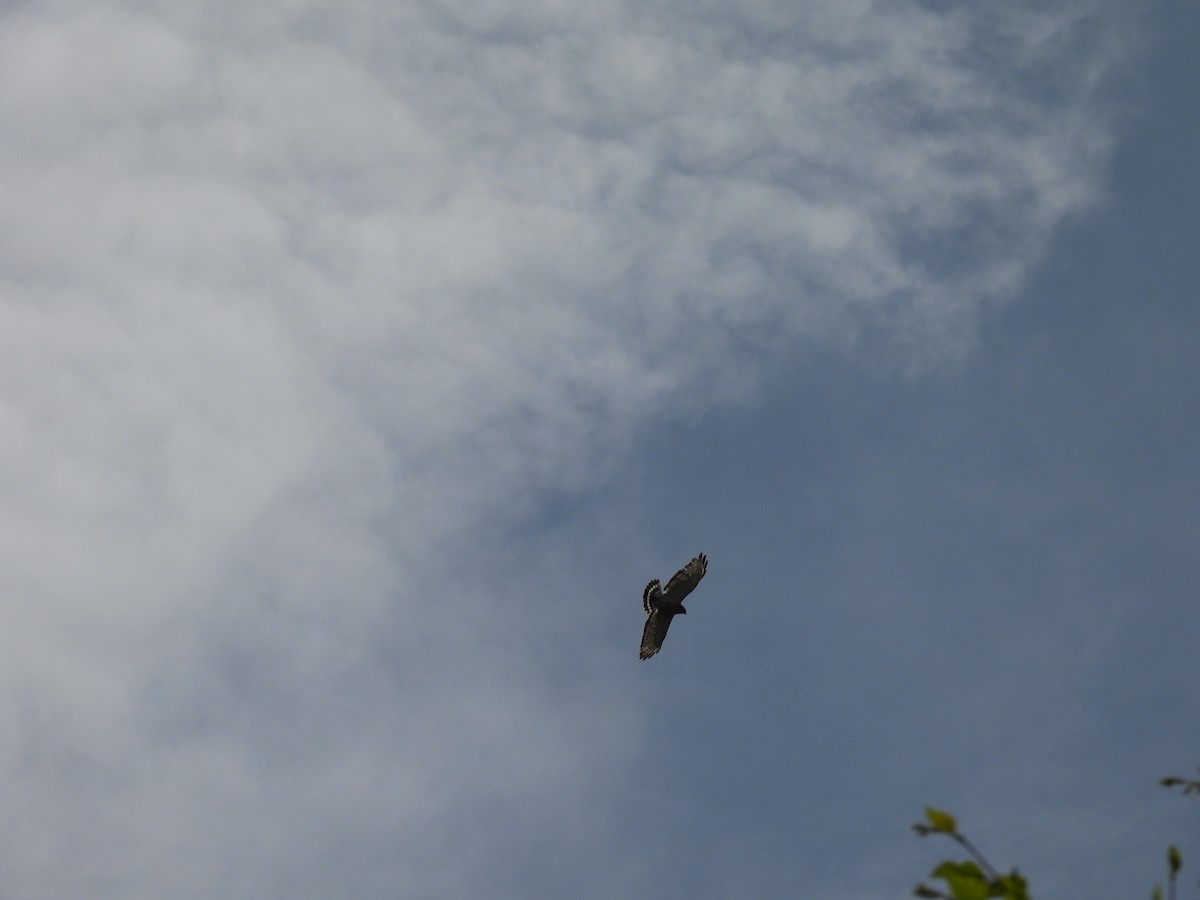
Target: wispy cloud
295	296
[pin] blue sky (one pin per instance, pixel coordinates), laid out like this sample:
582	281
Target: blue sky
361	366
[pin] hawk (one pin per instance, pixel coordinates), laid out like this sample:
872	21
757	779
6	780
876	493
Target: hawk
662	605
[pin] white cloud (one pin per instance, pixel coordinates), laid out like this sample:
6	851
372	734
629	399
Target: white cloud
295	296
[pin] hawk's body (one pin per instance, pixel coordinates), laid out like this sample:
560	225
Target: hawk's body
664	604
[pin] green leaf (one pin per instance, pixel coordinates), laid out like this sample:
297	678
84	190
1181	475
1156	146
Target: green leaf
1011	887
968	889
966	869
965	880
941	821
1174	860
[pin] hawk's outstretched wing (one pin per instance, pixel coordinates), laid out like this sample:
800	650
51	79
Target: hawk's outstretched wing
654	632
685	580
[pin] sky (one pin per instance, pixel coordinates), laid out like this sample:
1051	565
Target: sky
360	366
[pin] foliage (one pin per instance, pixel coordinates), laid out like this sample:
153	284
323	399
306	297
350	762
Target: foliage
973	879
1189	785
978	879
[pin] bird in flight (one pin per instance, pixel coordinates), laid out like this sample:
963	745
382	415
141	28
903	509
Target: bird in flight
663	604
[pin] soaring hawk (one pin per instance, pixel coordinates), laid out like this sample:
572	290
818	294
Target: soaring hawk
662	605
